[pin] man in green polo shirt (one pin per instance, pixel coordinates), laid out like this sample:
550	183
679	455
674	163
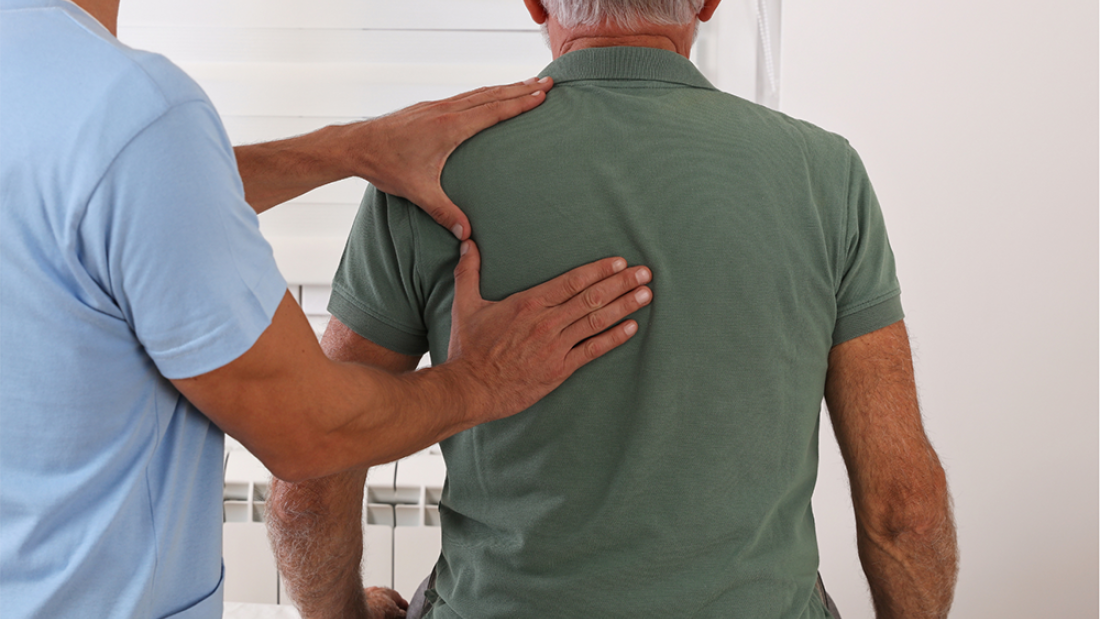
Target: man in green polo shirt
672	478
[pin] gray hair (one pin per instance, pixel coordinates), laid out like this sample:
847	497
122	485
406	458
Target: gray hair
627	13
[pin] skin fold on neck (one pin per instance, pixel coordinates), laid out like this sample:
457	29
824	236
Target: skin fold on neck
104	11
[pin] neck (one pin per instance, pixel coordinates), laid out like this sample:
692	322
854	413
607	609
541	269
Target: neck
105	12
672	38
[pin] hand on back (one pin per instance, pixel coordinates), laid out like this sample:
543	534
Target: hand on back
520	349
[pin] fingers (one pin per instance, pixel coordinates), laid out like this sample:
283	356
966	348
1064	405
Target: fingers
481	109
597	320
600	306
385	603
532	88
600	345
585	307
564	287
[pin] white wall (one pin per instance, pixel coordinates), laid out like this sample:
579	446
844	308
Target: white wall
978	121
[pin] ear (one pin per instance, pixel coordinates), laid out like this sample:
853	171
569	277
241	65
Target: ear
708	10
537	11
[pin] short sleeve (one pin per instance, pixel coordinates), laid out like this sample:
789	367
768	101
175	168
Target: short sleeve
377	291
180	250
868	295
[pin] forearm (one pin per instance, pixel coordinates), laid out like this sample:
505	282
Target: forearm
274	172
905	531
316	533
366	416
910	557
306	416
351	416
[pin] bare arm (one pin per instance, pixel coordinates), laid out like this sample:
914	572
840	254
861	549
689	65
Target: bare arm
315	526
401	153
305	416
905	530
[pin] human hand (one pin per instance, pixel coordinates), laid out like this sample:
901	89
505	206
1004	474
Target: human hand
403	153
383	603
520	349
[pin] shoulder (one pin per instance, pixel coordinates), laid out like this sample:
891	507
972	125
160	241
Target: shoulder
67	45
812	139
148	70
73	91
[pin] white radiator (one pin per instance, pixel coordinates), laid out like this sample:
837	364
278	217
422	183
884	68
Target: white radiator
400	526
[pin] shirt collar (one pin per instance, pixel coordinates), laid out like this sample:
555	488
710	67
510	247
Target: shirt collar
626	63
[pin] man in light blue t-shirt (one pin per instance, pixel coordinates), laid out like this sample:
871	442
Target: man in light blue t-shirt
143	314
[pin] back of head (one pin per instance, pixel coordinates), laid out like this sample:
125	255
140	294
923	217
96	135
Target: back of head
626	13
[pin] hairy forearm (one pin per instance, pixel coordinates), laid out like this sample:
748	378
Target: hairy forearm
316	533
910	556
274	172
391	416
905	530
357	416
306	416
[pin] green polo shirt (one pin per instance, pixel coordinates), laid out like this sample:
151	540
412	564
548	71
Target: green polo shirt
673	476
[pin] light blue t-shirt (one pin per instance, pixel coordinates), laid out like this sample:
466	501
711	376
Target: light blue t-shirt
128	256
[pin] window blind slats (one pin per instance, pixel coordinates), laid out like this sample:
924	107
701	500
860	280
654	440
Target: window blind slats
352	90
300	45
324	14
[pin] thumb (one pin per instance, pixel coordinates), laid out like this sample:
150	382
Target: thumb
446	213
467	282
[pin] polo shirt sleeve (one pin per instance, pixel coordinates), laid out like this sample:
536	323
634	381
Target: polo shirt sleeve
185	260
868	294
377	291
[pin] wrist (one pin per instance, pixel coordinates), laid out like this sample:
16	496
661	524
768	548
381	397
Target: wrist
347	151
463	391
330	152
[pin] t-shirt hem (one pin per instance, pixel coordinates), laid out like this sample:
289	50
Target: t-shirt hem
226	344
375	329
210	607
871	318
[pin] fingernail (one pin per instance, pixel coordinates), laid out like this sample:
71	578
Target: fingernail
643	295
631	328
537	93
618	265
544	80
530	81
644	276
464	247
457	231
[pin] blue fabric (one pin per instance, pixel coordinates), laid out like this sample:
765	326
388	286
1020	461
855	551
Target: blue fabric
127	256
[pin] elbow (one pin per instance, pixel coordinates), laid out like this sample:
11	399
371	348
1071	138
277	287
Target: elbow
295	462
291	472
299	467
911	507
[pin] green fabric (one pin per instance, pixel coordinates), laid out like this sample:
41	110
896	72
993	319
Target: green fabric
673	476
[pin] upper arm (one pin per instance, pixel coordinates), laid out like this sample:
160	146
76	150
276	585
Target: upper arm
872	401
264	397
340	343
168	237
